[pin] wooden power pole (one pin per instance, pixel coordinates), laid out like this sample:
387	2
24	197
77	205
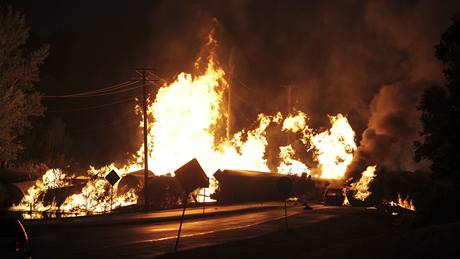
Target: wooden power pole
229	111
289	105
144	80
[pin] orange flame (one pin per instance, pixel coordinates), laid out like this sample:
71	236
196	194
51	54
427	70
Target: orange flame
334	148
361	187
406	203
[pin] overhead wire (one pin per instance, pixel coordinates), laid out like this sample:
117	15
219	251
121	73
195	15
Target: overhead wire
93	107
157	77
245	86
114	89
110	88
116	86
107	93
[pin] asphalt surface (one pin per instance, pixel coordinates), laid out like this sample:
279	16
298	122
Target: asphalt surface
156	216
150	239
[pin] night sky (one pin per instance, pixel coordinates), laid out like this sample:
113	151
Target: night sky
369	60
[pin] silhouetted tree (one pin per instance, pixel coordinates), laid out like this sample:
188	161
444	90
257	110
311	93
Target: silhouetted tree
19	70
440	108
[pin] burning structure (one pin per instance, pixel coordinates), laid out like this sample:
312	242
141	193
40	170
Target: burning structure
189	119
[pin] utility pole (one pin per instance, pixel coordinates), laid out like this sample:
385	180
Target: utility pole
146	155
229	111
289	105
144	80
289	98
289	88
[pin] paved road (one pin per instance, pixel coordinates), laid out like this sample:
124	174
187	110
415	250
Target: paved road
151	239
156	216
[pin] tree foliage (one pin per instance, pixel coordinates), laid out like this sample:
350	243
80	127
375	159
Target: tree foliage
440	107
19	70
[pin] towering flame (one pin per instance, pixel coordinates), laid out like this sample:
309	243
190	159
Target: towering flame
189	122
186	114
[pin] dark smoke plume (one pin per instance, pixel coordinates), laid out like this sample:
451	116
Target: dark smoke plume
394	123
351	57
392	129
367	59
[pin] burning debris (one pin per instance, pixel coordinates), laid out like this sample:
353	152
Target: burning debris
403	203
60	195
361	188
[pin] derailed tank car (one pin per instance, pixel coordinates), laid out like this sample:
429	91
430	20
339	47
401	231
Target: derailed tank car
242	186
248	186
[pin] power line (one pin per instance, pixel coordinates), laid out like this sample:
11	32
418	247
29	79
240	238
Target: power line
245	86
115	89
157	77
92	107
99	94
107	89
108	93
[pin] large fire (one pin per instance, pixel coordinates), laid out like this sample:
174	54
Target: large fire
189	121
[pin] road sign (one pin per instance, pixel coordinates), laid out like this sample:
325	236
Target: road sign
191	176
112	177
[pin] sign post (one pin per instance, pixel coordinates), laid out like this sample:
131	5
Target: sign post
190	176
181	222
204	200
112	177
284	185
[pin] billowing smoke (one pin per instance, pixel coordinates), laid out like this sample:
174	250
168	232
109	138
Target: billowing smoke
394	123
369	60
392	129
